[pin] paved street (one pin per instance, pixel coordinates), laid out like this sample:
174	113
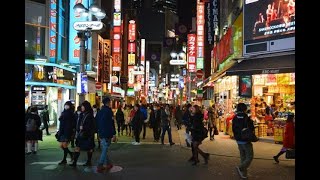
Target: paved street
155	161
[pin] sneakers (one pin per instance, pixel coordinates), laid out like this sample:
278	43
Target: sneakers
171	144
63	162
241	173
136	143
276	159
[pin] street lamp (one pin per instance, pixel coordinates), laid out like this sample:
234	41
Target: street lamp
84	31
178	61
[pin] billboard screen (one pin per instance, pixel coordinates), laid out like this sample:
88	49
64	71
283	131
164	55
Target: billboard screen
268	20
245	86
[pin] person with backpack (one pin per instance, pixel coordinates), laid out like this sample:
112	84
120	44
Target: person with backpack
241	122
166	125
33	133
137	123
66	127
45	119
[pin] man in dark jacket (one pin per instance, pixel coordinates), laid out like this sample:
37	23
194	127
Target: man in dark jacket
107	133
137	122
156	124
186	121
45	119
240	121
165	123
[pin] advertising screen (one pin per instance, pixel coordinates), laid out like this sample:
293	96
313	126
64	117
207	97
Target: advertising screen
268	20
245	86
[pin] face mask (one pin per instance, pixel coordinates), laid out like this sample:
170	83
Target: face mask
78	112
66	107
94	109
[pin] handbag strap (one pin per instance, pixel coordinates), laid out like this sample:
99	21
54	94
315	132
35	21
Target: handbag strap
82	122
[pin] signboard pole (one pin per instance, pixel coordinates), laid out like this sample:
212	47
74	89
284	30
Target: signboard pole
189	88
82	61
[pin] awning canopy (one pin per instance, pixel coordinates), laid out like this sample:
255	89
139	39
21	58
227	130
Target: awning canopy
267	65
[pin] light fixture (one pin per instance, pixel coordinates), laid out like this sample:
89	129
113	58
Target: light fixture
85	13
173	54
79	8
100	15
182	54
94	8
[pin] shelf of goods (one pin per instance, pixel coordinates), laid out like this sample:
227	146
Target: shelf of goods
262	129
278	130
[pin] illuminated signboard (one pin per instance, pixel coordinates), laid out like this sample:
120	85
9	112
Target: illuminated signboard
117	19
147	77
117	5
53	30
191	52
106	60
130	76
131	47
143	48
132	30
200	31
74	41
131	59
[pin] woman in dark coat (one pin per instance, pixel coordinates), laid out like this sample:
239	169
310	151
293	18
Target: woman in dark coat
137	122
33	133
120	120
85	130
198	133
65	133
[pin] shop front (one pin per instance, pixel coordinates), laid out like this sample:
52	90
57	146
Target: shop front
267	85
48	84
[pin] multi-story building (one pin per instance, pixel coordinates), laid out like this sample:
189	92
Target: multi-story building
162	5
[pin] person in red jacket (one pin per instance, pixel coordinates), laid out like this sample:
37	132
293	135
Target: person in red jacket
288	140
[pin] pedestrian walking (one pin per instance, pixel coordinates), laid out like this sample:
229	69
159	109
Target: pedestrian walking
95	111
166	124
77	116
126	113
65	132
45	119
187	123
178	116
107	133
239	122
156	124
144	111
289	137
198	133
84	134
211	123
33	133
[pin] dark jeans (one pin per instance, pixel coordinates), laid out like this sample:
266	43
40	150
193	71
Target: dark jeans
164	129
137	132
156	133
144	126
120	125
246	156
125	127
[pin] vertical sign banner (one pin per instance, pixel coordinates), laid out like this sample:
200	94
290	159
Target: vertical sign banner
200	31
53	30
74	41
116	50
99	59
245	86
192	52
215	5
142	58
130	76
132	31
147	77
131	59
208	8
106	60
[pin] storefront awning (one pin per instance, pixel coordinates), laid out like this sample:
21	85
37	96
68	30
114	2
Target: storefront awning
267	65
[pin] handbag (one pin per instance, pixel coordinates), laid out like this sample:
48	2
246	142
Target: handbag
290	154
247	134
57	135
215	131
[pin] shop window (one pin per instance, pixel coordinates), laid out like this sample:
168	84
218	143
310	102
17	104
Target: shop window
34	40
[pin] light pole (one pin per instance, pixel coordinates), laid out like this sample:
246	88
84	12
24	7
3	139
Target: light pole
85	29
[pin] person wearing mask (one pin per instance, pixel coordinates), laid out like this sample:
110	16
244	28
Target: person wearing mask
289	138
107	133
85	134
66	124
137	122
45	119
187	123
32	134
239	122
165	123
198	133
120	120
156	124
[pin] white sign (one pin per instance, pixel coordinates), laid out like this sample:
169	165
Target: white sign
114	79
178	62
85	25
117	5
174	79
138	72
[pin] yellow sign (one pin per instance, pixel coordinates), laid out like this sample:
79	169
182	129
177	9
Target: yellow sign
131	59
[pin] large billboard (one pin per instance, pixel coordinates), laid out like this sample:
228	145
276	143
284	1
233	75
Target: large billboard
266	20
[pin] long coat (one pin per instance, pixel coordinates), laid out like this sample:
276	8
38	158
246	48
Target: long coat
37	134
288	140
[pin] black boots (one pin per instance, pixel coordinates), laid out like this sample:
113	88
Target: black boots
88	163
75	159
66	151
276	158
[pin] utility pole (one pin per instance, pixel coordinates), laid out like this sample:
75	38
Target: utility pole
83	38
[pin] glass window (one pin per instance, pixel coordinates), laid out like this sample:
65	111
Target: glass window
34	40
